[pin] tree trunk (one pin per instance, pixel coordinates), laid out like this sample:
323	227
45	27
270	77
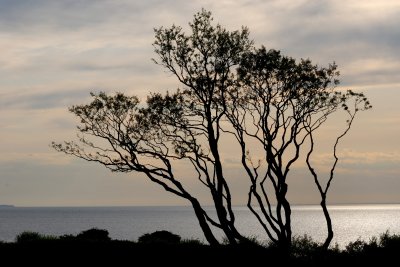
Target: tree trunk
286	234
328	223
205	227
223	220
228	227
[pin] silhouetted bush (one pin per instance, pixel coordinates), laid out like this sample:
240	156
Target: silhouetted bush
94	234
304	245
160	237
29	236
195	242
360	246
67	237
387	240
356	247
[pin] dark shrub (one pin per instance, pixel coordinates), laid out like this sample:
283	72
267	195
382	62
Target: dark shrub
359	246
194	242
389	241
356	247
303	246
160	237
28	237
94	234
67	237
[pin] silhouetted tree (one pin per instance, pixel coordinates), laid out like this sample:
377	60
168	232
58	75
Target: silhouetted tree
203	62
230	88
181	126
359	103
279	104
128	141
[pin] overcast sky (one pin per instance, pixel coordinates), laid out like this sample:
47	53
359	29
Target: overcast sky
54	53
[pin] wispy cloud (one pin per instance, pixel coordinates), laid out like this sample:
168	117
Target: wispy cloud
358	161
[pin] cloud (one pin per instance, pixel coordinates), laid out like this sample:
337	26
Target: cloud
357	160
344	32
43	159
55	52
47	100
367	71
42	15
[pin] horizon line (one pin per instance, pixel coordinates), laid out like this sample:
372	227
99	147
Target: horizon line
153	206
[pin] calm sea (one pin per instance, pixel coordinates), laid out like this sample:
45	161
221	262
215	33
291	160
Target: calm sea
128	223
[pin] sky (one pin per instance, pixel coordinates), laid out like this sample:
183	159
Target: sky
54	53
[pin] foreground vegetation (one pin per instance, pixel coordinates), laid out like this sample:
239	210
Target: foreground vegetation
94	246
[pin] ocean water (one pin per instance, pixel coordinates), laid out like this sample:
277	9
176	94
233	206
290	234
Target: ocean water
350	222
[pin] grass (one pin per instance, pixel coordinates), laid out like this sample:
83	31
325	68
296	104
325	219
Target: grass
94	246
